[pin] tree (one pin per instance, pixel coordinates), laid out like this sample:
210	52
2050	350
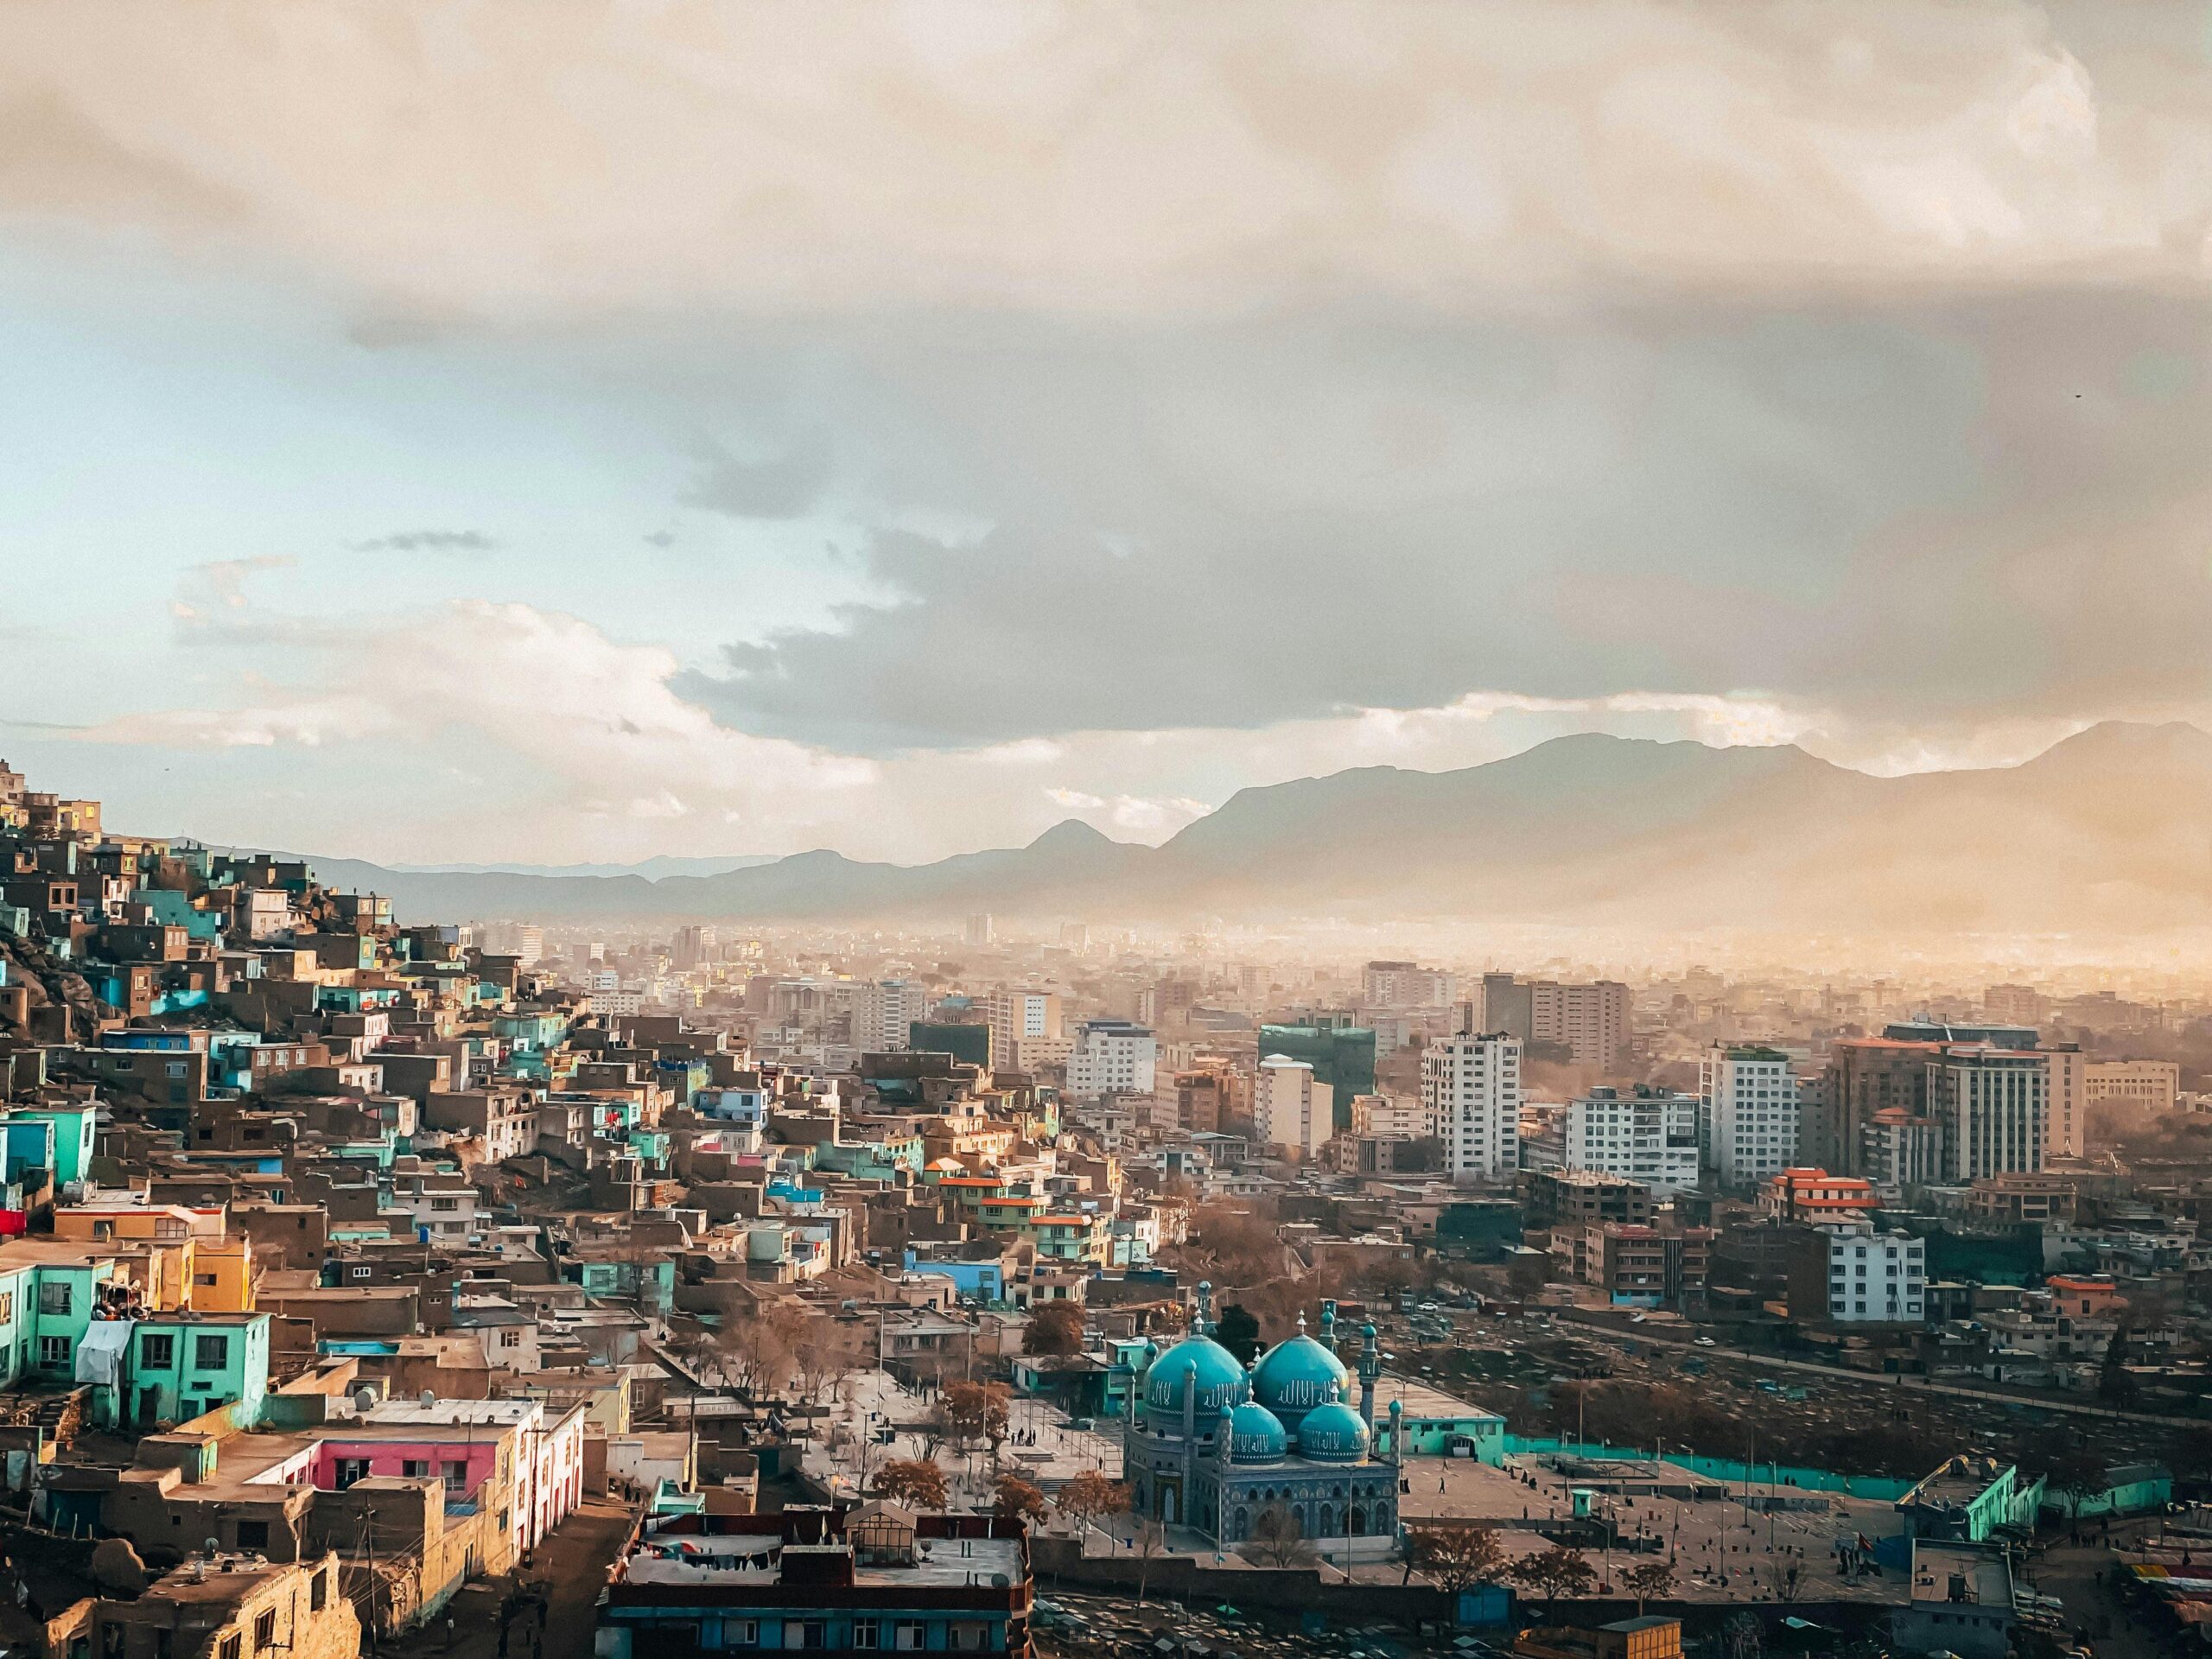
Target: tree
1151	1539
975	1414
2076	1474
1089	1495
1239	1333
825	1353
914	1482
1279	1539
1559	1570
1055	1328
755	1351
1018	1500
1455	1559
1647	1581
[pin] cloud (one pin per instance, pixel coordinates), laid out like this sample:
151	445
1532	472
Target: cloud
1887	513
428	541
783	486
1108	160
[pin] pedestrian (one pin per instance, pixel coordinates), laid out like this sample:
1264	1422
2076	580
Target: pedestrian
449	1629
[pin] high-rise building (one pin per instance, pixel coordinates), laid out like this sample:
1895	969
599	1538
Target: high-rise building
1392	1115
1291	1111
1991	1105
1341	1056
694	946
1863	1276
1865	1077
1017	1016
1405	985
1749	1097
979	930
1471	1092
1939	1030
1202	1101
1647	1134
1112	1056
2067	1113
884	1014
1589	1021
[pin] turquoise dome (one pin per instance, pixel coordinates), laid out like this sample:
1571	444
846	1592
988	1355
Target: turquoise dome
1255	1435
1332	1434
1199	1362
1294	1378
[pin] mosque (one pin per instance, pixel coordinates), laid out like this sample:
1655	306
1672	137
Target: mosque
1210	1447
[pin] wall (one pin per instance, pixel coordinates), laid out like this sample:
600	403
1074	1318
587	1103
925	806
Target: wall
1879	1488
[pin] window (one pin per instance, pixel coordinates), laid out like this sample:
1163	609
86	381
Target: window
456	1477
349	1470
867	1633
211	1351
319	1592
229	1647
156	1353
253	1534
56	1296
913	1635
510	1339
7	1307
415	1469
203	1278
969	1636
363	1273
54	1353
264	1630
809	1635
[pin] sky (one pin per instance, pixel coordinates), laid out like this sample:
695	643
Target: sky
510	433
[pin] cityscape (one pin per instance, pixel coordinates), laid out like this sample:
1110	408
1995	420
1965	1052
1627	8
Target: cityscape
1327	829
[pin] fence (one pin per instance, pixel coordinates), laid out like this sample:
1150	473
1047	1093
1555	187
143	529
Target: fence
1881	1489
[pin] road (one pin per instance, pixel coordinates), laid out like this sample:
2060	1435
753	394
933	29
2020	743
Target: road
1835	1373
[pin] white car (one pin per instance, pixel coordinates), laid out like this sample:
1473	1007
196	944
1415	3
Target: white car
1706	1342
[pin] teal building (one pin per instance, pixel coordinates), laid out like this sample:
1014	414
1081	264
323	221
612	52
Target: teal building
1341	1056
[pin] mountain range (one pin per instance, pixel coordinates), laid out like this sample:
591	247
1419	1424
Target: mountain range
2109	831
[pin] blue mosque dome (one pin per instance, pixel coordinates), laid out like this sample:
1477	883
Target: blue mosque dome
1332	1434
1255	1435
1196	1364
1297	1377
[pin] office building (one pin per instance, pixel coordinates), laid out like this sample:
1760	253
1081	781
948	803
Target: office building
1647	1134
979	930
2141	1086
1865	1077
1341	1054
1291	1111
1471	1091
2015	1005
1991	1105
1749	1109
1020	1016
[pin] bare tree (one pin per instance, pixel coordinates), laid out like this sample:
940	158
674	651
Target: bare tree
1455	1559
1151	1539
1278	1539
1559	1570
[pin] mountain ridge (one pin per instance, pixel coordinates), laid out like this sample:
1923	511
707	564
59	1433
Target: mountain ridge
2096	832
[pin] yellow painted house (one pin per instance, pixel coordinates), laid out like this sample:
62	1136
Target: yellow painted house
192	1258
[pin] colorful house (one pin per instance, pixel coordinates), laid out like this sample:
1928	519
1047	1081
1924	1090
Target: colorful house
180	1366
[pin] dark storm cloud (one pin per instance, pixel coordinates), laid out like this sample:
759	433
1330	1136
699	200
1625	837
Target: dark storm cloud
1976	506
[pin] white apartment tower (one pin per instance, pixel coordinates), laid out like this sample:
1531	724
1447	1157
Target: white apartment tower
1749	1099
1112	1056
2066	1111
1471	1092
883	1012
1290	1110
1405	985
1645	1135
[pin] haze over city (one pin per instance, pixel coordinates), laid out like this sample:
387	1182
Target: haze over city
1336	829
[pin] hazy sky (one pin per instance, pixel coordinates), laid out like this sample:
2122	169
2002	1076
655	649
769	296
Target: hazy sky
563	432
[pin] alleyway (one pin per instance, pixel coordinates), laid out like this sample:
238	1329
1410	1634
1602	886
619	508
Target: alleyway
570	1566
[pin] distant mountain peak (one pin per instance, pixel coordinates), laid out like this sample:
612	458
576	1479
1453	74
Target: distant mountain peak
1069	834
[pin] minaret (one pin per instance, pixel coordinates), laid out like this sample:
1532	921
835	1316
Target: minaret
1201	1320
1371	1368
1329	1324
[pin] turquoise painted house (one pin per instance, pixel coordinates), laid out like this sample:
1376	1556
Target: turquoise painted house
182	1365
75	1131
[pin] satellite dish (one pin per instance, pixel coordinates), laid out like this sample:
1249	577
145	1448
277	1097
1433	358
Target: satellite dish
212	1544
427	1398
